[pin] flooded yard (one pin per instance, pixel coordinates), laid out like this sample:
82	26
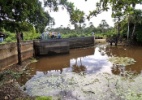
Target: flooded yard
85	74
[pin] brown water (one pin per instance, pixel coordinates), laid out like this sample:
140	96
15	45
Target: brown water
85	61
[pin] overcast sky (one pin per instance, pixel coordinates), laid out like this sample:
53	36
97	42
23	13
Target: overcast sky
62	17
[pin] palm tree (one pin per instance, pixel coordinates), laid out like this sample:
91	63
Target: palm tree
76	17
69	26
61	26
104	25
84	25
91	25
81	20
51	22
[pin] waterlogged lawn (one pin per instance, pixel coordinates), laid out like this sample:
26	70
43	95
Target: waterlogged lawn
72	86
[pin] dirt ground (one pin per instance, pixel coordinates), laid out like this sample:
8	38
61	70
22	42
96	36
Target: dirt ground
9	87
100	41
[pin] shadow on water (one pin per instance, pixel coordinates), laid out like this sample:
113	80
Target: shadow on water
92	60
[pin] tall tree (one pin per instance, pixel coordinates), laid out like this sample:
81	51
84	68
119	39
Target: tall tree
119	8
76	17
136	19
91	25
18	11
104	25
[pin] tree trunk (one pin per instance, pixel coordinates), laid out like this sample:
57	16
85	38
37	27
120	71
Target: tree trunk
19	48
133	32
118	32
128	31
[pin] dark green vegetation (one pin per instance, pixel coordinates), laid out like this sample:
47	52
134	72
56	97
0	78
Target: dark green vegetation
22	15
127	18
30	18
82	31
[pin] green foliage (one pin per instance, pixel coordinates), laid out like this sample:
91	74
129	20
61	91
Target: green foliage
121	10
70	35
139	36
31	35
103	25
19	13
100	35
28	35
8	74
43	98
110	32
84	32
10	37
77	16
25	26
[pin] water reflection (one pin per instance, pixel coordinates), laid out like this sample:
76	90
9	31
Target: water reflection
87	61
134	52
96	63
78	67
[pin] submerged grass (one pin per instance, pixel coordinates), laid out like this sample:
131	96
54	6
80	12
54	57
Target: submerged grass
124	61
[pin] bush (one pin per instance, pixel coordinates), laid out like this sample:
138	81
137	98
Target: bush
139	36
10	37
28	35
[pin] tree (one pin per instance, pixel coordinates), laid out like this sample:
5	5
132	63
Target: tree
120	8
136	19
51	23
84	25
15	12
81	21
69	26
76	17
103	25
91	25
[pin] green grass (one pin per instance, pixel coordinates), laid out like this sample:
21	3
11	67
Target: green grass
43	98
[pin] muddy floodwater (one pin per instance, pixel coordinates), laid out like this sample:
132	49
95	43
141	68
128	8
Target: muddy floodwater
85	74
85	60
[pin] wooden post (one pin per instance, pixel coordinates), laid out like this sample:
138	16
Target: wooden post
18	48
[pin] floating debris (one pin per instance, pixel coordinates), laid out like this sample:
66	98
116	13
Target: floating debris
124	61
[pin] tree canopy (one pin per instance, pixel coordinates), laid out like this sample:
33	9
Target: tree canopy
14	12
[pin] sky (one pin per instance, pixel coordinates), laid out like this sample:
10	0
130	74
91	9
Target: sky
62	17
